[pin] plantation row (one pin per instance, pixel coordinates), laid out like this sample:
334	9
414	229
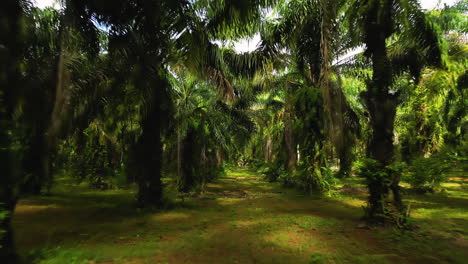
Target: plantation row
151	94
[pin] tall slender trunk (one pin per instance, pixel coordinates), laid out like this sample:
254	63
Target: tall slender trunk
219	158
267	150
51	134
204	165
180	149
328	15
333	98
289	135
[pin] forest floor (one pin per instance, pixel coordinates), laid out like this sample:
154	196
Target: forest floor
239	219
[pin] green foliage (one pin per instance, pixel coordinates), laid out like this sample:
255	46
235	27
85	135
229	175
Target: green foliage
308	180
92	161
314	180
318	258
159	93
69	256
384	201
426	174
274	172
3	215
371	169
433	111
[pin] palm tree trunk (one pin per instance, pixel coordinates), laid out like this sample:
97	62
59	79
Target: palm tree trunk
7	249
10	176
219	158
289	136
56	119
180	148
10	92
267	149
381	105
32	164
149	151
149	160
188	162
9	180
344	154
328	14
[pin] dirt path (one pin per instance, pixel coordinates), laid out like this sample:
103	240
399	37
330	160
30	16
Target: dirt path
239	219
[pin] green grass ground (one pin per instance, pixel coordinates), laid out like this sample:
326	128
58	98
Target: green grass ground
239	219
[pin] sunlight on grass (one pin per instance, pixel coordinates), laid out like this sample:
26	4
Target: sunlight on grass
171	216
427	213
239	219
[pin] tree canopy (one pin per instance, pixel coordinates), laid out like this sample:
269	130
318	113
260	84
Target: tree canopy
148	95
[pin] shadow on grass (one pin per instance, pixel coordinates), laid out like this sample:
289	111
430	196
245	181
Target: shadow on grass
273	225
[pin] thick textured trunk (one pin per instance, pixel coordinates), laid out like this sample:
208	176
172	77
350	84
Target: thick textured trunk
149	179
381	105
149	160
12	42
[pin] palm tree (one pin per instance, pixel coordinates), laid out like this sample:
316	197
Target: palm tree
12	44
147	36
375	23
310	30
430	117
205	127
40	60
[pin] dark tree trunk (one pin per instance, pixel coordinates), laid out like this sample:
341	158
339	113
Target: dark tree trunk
149	160
7	249
37	165
290	146
291	152
180	151
10	177
149	148
33	166
187	179
381	105
345	157
12	40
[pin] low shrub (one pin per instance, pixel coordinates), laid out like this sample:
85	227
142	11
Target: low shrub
427	174
273	172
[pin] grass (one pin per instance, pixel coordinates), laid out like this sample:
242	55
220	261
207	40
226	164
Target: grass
239	219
